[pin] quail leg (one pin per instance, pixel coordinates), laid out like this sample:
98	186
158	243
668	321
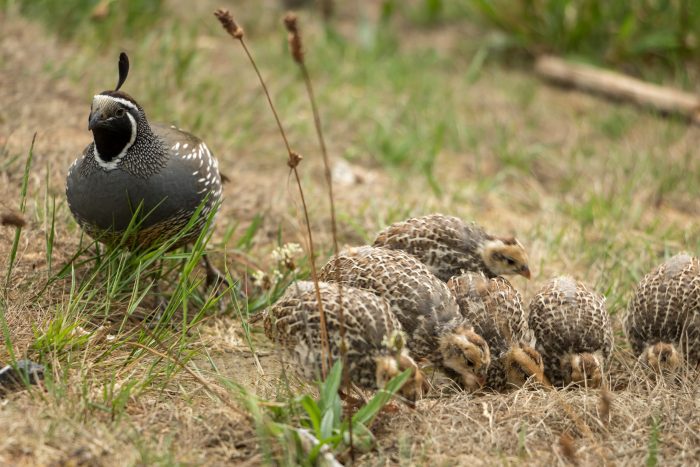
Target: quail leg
161	302
214	277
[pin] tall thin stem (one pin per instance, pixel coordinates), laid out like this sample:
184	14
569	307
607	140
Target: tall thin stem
294	158
297	51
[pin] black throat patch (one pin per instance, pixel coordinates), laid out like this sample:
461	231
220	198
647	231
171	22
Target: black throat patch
112	139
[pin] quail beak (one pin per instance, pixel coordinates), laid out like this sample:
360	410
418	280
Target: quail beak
525	272
95	119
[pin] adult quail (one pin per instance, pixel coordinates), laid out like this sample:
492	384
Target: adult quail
371	333
662	322
572	329
133	165
449	246
494	307
422	303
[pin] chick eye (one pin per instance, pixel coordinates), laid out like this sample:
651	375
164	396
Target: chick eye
510	261
120	112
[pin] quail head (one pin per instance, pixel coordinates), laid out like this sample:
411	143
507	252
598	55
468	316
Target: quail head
450	246
573	332
429	315
662	322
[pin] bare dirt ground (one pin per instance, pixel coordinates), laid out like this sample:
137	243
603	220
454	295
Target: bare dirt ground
644	418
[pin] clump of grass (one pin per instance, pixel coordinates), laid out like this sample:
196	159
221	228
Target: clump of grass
22	206
109	324
307	430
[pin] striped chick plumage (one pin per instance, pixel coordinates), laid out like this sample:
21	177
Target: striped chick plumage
422	303
371	331
494	307
573	332
449	246
662	322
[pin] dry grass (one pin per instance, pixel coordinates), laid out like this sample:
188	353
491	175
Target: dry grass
594	190
526	426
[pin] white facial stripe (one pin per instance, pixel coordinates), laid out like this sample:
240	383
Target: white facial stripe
102	97
111	165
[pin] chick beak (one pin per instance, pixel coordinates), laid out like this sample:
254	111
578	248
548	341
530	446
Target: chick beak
95	119
525	272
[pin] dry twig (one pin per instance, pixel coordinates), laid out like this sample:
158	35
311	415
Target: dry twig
296	48
236	32
619	86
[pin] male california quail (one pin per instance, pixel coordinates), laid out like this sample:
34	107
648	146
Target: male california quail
372	334
161	171
422	303
572	329
662	322
494	307
449	246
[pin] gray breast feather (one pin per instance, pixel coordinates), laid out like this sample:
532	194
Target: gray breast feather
109	199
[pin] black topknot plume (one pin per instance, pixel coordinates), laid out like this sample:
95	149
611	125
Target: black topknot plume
123	69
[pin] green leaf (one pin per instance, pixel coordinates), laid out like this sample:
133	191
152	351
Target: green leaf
246	240
362	438
329	388
327	424
366	414
313	411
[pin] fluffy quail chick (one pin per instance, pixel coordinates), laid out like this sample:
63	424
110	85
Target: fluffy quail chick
135	164
374	351
572	329
422	303
662	322
494	307
450	246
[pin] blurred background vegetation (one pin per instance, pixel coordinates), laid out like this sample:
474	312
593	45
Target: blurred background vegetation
653	39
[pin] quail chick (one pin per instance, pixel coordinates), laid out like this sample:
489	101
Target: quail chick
422	303
494	307
450	246
133	164
662	322
371	330
572	329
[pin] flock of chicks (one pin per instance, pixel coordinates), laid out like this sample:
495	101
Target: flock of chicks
435	283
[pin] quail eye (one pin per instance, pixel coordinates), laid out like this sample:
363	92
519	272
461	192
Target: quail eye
469	363
510	261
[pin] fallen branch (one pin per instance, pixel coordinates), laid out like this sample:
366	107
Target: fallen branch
620	87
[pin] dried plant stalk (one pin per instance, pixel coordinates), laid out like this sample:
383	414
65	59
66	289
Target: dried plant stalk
568	448
236	32
12	218
604	404
296	48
